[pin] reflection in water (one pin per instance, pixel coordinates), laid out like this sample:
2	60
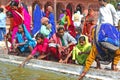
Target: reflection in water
10	72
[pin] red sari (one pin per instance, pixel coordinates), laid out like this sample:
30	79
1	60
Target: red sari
69	26
87	24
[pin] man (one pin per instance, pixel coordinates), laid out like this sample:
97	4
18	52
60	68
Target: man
61	44
107	13
118	10
2	24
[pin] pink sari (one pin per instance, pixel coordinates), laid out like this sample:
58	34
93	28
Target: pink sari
27	19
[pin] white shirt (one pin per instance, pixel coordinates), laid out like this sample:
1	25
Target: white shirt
107	14
118	13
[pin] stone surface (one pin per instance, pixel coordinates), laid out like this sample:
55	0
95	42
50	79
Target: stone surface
59	67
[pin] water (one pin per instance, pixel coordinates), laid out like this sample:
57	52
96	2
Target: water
11	72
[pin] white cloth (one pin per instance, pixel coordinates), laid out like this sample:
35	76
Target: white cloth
77	19
108	14
2	20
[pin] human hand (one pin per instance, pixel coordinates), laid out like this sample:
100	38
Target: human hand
82	75
21	65
49	26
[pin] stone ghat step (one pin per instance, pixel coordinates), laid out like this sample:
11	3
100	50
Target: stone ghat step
59	67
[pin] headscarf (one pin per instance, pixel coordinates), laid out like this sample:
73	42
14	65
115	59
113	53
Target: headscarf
20	39
70	25
83	48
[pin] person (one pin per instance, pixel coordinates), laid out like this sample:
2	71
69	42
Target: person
61	44
41	47
92	23
62	17
81	51
77	18
2	24
106	45
87	25
37	16
17	17
8	36
118	10
46	27
107	13
69	26
23	41
78	33
51	18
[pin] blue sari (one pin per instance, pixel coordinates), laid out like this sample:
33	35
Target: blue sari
109	34
52	21
37	16
29	42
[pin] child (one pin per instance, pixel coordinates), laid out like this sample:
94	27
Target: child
80	51
2	24
41	47
78	33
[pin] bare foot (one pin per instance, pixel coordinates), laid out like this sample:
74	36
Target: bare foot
114	67
98	67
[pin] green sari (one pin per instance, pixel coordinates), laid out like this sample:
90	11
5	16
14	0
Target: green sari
81	58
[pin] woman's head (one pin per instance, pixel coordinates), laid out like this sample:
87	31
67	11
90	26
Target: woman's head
14	4
82	40
90	11
39	38
20	28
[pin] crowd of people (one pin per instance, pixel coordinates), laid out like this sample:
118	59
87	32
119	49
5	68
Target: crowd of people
76	39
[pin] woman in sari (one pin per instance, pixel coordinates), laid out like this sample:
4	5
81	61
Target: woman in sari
87	24
81	51
69	26
16	10
37	16
23	40
106	45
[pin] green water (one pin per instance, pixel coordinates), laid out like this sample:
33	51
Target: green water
11	72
